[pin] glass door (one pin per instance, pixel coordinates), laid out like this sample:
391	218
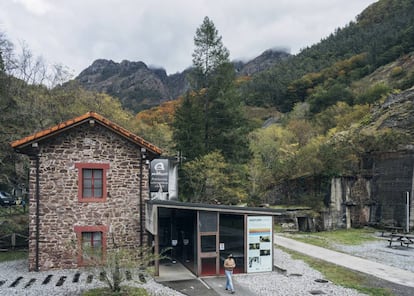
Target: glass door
232	229
208	242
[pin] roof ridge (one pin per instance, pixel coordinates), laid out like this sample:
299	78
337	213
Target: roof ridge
71	122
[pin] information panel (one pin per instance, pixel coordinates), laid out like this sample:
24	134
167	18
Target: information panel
260	243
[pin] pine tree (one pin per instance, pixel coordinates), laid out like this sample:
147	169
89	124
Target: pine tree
209	53
210	122
212	113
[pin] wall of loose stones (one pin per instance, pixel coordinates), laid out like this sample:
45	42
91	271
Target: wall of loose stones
60	210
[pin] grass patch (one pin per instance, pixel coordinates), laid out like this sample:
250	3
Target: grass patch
327	239
125	291
342	276
13	210
12	255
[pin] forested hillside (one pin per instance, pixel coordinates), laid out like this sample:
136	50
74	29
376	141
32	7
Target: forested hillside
298	120
322	74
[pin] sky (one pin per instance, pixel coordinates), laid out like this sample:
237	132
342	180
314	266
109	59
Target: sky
74	33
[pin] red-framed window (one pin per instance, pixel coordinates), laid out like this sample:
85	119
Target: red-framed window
91	244
92	182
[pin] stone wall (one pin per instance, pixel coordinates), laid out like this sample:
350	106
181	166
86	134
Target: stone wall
350	201
377	198
393	175
60	211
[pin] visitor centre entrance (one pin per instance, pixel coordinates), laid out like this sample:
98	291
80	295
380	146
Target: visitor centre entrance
201	236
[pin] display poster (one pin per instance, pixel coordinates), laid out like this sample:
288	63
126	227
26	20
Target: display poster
260	243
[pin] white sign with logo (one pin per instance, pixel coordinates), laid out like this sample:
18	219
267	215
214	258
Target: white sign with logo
159	175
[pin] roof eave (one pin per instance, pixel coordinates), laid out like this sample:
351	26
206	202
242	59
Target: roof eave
22	145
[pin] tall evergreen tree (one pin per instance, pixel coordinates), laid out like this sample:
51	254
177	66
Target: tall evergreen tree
209	53
188	127
210	121
212	113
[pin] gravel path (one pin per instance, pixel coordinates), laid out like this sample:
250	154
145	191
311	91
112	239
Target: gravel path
295	277
378	251
298	279
10	271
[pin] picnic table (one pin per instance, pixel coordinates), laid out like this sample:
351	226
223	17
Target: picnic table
392	229
401	238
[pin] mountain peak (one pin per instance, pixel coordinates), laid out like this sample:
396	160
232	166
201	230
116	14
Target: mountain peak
140	87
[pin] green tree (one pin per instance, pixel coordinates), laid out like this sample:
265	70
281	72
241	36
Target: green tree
213	180
188	127
209	53
8	123
323	97
211	116
373	94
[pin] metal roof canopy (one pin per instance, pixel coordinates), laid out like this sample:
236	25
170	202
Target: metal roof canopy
215	208
151	221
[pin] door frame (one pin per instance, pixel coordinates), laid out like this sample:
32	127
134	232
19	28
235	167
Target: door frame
213	254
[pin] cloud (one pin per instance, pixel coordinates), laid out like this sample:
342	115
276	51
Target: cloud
158	32
38	7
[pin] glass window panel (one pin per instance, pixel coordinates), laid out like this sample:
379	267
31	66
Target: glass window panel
97	174
92	183
87	183
97	238
86	239
232	237
86	236
97	183
91	245
97	192
87	173
208	243
87	192
208	221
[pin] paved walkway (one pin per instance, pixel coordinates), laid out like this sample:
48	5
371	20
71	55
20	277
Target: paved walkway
389	273
179	278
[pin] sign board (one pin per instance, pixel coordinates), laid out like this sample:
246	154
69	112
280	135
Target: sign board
159	175
260	242
164	179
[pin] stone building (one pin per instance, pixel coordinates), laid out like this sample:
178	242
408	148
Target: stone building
88	186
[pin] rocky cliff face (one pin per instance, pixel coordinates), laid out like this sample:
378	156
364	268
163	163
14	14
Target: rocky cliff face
378	196
263	62
140	87
396	113
137	86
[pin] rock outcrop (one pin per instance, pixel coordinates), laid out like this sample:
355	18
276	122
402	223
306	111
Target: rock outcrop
141	87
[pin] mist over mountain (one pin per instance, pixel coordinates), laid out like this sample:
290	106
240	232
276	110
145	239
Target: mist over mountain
141	87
